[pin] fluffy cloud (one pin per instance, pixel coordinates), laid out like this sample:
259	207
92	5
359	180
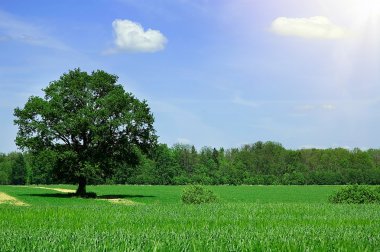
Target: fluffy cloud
314	27
131	37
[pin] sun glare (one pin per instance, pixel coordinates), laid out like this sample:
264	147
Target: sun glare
368	20
366	10
360	17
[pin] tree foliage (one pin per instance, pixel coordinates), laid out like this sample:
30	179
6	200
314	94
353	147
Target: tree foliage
87	125
18	170
183	164
197	194
356	194
13	169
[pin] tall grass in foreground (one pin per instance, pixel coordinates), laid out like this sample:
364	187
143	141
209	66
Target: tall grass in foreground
179	227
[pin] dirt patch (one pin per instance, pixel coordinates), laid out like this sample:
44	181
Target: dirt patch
56	189
121	201
7	199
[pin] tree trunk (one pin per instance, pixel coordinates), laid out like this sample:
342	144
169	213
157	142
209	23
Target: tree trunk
81	191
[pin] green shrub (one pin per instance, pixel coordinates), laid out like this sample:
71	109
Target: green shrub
196	194
356	194
377	191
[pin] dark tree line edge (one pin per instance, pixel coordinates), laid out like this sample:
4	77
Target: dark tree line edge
261	163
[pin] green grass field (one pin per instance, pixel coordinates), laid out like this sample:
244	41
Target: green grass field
247	218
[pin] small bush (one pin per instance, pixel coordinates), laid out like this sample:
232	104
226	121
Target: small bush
377	190
356	194
197	195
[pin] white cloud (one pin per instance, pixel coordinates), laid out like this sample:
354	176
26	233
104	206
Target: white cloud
308	109
311	146
319	27
334	146
328	107
131	37
183	140
177	124
12	28
241	101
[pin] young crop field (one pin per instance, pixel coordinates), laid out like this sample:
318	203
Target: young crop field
152	218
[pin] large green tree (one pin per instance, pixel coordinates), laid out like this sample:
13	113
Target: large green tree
87	124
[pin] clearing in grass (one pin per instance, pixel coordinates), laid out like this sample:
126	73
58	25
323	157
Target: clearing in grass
56	189
124	202
7	199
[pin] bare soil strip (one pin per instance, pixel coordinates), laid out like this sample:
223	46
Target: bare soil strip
7	199
121	202
55	189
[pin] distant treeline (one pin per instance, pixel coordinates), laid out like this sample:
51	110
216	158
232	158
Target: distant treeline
262	163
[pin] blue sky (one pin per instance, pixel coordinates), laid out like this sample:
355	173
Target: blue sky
215	73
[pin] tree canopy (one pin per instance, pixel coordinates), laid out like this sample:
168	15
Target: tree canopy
87	125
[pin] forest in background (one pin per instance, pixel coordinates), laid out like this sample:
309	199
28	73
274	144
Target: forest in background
261	163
